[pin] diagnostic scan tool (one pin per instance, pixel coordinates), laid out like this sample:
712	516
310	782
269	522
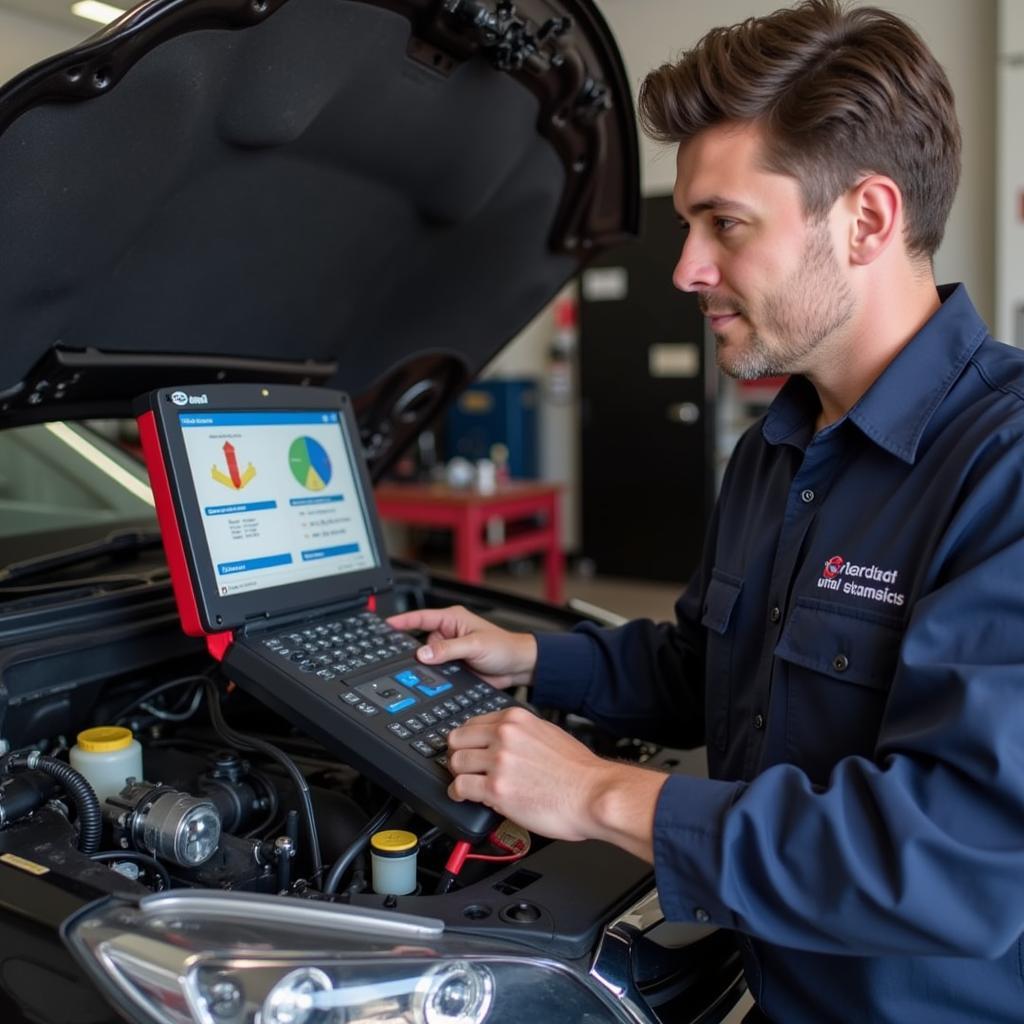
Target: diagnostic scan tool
274	547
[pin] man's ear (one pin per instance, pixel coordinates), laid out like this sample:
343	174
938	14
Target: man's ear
876	208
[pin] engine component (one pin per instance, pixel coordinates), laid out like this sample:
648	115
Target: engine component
22	794
229	785
393	861
164	822
107	756
284	851
90	820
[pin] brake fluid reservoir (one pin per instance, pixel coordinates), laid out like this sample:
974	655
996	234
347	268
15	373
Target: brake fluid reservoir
107	756
393	861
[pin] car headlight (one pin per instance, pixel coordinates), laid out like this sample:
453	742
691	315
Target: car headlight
232	958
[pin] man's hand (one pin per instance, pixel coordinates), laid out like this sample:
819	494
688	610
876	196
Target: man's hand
539	776
502	658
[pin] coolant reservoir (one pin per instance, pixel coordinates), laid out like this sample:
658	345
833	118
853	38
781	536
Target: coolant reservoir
393	861
107	756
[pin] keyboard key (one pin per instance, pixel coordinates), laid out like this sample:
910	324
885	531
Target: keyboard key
367	708
436	740
440	711
399	730
433	691
422	747
351	697
451	706
414	724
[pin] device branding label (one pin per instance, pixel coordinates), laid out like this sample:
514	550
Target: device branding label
180	398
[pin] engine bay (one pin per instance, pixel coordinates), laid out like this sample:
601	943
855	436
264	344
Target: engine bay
230	797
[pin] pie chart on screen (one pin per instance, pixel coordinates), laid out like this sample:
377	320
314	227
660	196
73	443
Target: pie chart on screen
309	463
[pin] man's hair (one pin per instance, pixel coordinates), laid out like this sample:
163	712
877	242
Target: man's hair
838	93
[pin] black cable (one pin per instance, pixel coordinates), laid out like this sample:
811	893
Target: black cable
357	845
156	691
237	739
140	858
429	836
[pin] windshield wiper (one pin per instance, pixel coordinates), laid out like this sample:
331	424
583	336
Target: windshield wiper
114	545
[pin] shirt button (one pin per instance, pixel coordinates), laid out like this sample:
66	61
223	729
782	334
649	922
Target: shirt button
775	614
702	915
807	496
759	721
840	662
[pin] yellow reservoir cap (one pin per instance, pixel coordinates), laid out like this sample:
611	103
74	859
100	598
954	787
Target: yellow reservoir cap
104	738
394	842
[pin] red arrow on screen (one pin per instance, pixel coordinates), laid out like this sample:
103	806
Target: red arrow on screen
229	455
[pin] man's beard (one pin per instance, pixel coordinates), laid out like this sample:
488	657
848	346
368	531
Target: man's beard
811	305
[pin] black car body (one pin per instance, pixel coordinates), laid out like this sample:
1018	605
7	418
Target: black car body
369	194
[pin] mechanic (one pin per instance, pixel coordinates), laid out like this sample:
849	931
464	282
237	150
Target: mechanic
851	650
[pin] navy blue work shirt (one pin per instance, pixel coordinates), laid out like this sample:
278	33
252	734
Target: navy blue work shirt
852	653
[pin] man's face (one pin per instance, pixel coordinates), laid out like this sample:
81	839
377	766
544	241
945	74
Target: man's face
768	280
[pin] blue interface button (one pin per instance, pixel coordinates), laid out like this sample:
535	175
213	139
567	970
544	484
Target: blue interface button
427	686
433	691
401	705
335	552
251	564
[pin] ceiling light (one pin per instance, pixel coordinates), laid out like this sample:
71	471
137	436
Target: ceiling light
93	10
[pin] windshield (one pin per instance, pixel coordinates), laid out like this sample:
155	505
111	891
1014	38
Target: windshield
63	484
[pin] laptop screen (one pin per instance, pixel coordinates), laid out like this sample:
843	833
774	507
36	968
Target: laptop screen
278	497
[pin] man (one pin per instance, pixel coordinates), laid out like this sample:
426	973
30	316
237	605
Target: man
852	648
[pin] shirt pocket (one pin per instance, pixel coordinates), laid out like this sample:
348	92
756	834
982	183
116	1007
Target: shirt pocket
717	616
838	665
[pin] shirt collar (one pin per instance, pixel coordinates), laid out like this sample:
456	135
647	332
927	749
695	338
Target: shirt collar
895	410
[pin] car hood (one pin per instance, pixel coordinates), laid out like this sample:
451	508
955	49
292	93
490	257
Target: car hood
370	194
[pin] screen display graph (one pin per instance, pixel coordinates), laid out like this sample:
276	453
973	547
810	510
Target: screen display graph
279	497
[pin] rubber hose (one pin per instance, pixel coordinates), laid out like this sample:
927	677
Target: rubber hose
90	820
341	865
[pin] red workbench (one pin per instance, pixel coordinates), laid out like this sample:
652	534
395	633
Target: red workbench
466	512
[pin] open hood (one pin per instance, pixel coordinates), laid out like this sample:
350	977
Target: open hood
370	194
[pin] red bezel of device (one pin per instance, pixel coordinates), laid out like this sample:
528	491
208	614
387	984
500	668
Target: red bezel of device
174	547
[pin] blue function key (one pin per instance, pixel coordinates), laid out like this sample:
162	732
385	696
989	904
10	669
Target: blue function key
425	683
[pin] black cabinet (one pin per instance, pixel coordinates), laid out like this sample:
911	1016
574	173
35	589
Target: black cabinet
647	386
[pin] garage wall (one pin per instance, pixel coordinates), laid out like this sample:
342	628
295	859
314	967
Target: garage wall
1010	192
23	41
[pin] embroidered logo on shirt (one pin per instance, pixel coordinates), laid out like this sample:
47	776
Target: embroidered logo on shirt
833	567
838	574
